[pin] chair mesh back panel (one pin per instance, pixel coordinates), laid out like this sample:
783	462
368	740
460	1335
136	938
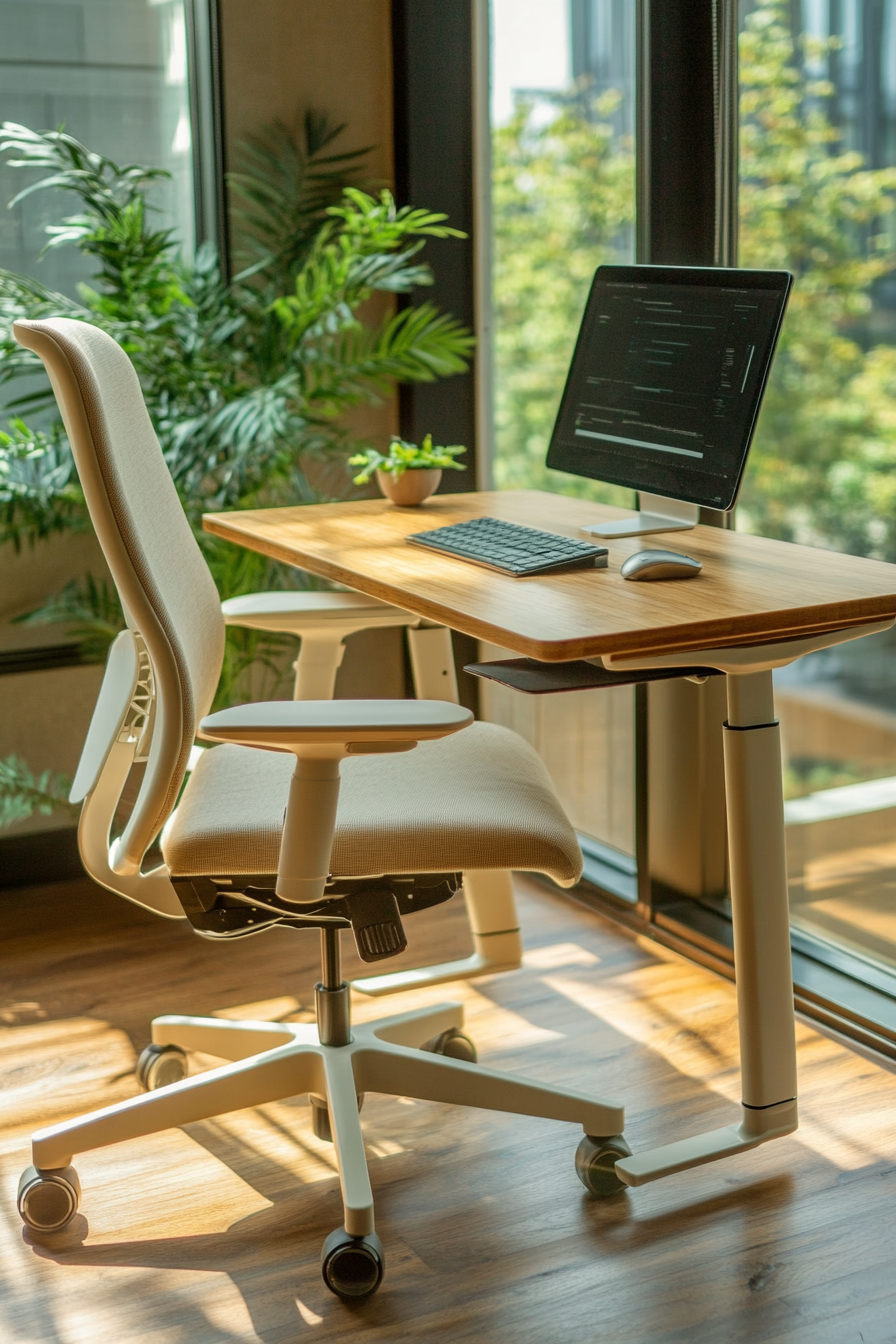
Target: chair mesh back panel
147	513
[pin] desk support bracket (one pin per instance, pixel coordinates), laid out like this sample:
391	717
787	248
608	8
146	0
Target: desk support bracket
759	903
760	916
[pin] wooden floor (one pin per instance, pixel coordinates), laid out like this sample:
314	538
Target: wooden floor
212	1235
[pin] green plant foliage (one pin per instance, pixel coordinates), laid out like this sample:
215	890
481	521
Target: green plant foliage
822	466
23	793
280	200
403	456
39	490
247	380
563	202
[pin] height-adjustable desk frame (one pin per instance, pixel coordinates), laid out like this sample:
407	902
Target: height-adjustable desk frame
758	605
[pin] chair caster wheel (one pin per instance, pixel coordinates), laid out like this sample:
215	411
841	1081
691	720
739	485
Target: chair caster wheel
454	1044
320	1117
48	1200
352	1267
160	1066
596	1160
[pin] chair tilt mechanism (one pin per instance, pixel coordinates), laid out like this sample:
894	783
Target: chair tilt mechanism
232	907
354	813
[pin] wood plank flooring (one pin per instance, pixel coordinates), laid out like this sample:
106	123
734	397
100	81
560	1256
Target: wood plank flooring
212	1235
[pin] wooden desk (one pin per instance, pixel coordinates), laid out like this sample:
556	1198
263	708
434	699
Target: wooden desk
752	589
758	604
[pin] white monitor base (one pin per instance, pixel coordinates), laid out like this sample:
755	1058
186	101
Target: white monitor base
656	514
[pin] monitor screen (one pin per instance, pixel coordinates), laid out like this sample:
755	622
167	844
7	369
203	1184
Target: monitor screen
667	379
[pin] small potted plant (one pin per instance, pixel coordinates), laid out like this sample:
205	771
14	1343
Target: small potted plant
407	474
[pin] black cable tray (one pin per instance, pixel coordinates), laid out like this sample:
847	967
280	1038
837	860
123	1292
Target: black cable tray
536	678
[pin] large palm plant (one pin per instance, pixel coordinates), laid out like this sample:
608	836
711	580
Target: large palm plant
247	378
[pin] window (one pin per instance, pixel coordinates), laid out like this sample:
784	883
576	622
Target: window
114	74
563	202
816	169
818	196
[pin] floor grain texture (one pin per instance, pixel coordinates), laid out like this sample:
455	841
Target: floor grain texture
212	1234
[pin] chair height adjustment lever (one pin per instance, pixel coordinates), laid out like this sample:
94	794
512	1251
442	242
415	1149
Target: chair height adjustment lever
376	923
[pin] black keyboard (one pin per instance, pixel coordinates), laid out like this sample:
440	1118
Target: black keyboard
511	548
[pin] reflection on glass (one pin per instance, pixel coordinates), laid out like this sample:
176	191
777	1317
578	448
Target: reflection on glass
563	201
817	184
113	73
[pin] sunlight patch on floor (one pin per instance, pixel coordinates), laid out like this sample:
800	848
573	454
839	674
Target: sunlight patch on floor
557	955
641	1006
505	1030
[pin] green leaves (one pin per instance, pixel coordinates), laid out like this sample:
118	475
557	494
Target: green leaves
377	224
403	456
825	450
243	379
282	196
39	491
563	203
23	793
246	380
372	250
97	181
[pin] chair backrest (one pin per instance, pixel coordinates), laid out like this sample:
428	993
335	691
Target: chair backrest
166	590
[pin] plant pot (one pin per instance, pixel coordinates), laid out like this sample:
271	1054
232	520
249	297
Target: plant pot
412	487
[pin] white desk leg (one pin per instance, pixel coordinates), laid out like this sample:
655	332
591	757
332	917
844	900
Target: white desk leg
432	663
760	915
320	658
759	906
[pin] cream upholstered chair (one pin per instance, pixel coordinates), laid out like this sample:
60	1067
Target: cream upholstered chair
310	814
323	621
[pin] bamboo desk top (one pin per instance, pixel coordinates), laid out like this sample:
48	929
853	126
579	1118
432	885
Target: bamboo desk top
752	590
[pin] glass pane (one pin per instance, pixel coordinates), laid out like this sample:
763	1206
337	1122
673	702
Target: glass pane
114	74
563	202
817	183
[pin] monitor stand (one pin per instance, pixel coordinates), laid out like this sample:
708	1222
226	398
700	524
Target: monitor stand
656	514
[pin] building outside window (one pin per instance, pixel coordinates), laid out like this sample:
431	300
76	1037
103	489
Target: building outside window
113	73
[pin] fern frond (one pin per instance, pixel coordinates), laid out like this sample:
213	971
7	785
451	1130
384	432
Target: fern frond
23	793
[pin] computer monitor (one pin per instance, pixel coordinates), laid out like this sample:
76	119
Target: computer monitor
665	386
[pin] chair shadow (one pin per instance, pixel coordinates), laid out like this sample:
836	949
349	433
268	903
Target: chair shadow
272	1257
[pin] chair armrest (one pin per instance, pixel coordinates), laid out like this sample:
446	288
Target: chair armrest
300	613
320	733
289	725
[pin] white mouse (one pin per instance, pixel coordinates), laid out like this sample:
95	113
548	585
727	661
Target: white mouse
649	565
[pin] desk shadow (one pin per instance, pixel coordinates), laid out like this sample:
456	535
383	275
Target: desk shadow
617	1226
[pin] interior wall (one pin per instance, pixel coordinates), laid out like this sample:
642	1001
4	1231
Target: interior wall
282	56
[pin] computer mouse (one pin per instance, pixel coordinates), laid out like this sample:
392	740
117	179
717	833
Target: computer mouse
644	565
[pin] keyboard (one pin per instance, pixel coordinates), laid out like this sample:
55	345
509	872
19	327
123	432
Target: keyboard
511	548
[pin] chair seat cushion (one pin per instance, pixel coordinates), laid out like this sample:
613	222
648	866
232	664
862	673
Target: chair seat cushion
479	799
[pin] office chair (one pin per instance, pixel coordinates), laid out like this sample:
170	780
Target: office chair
323	621
308	815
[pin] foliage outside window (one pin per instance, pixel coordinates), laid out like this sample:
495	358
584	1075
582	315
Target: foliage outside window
823	467
563	198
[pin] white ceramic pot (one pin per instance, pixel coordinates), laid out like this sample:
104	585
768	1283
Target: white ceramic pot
412	487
